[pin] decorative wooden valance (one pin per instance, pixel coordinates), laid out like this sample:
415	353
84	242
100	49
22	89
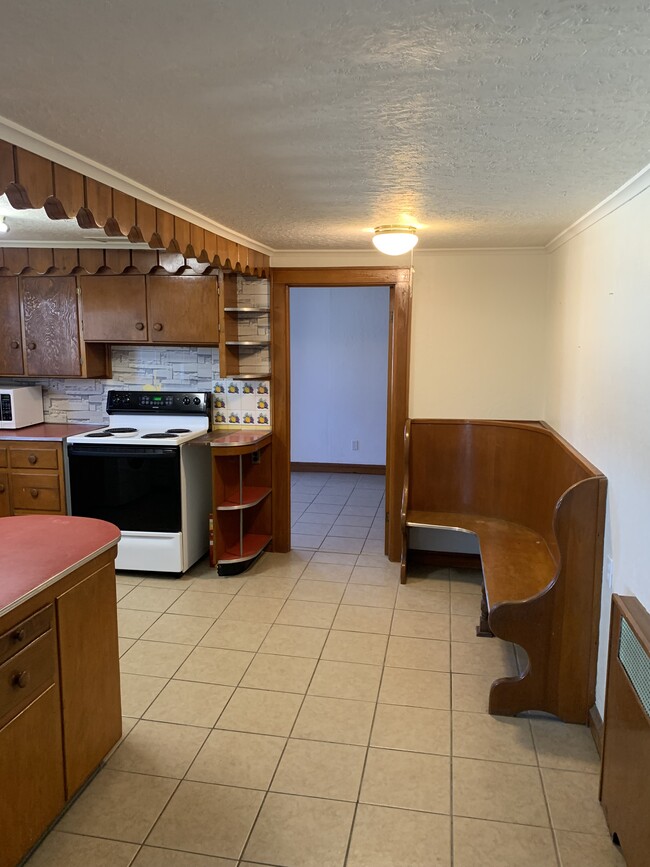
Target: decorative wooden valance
91	260
32	181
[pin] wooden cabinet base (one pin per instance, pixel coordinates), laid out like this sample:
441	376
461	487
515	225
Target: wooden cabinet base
60	710
242	503
88	680
31	776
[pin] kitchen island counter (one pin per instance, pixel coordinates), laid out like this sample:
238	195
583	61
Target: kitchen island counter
39	550
46	431
60	710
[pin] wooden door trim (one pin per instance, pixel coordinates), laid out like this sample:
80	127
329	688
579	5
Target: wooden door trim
399	281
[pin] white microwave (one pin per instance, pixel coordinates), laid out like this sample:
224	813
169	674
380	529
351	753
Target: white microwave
21	406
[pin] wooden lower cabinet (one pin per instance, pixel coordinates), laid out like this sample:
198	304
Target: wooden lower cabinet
34	481
60	711
88	648
31	775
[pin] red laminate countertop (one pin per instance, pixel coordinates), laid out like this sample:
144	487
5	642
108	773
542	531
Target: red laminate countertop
220	438
47	431
38	550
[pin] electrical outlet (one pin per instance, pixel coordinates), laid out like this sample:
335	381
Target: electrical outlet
609	571
255	457
355	445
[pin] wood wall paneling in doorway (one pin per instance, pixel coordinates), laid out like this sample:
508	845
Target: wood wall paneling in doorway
399	281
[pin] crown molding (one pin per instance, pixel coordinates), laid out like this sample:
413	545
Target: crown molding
22	137
628	191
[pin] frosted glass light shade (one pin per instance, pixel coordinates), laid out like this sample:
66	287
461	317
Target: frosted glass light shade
394	240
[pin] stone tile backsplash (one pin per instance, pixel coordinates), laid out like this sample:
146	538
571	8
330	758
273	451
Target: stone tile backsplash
174	368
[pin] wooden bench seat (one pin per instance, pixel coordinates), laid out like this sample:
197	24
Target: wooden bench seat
537	509
517	563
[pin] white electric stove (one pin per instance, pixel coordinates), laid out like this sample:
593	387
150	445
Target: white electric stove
139	473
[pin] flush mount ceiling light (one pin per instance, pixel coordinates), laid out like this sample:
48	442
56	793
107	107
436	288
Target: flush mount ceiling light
394	240
4	228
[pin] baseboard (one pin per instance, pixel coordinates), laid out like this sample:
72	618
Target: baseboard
368	469
445	558
596	727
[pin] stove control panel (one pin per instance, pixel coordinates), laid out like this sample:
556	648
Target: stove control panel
160	402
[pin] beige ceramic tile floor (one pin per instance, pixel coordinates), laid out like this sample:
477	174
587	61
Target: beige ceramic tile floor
313	713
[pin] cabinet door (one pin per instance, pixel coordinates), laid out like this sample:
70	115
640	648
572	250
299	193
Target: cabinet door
51	327
31	770
11	352
90	677
183	310
114	309
4	494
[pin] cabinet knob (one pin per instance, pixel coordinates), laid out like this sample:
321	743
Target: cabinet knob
157	326
21	679
18	635
31	345
32	459
139	326
15	344
34	492
2	489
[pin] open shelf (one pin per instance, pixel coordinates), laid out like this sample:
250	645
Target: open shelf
245	327
263	374
242	503
248	310
248	342
252	544
250	496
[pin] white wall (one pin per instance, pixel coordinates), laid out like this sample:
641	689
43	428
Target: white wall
479	330
339	368
479	335
599	382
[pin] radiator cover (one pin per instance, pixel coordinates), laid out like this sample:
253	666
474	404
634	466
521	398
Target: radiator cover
625	775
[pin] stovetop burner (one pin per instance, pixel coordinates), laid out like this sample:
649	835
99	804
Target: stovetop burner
119	430
178	430
163	435
99	433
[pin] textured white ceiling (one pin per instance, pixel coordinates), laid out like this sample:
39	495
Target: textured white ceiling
303	122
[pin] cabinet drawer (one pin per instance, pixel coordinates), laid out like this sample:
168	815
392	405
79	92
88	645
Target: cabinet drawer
40	457
23	633
3	456
38	492
27	674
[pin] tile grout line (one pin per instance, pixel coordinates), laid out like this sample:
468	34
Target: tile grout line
370	731
556	845
293	725
452	848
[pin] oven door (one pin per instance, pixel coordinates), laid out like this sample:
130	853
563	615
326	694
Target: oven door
137	488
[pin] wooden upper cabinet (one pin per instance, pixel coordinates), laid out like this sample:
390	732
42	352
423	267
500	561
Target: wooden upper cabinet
11	353
183	310
114	309
50	326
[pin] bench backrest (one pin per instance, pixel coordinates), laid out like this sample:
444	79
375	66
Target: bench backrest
516	471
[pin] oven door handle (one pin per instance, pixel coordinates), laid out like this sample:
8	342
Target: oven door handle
121	451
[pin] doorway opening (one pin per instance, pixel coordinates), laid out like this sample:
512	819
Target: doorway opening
339	338
399	282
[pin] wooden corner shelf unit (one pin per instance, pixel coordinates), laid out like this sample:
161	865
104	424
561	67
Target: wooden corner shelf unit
241	501
245	313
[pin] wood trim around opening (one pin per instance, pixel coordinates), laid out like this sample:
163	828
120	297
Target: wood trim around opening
399	281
